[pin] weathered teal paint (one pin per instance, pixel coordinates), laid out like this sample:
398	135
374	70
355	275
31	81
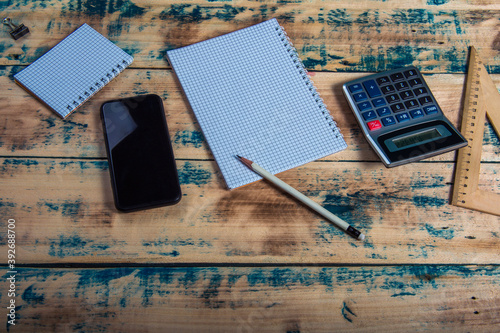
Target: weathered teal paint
117	28
490	137
13	70
49	26
139	89
209	295
403	294
6	208
40	51
189	174
437	2
347	313
425	201
349	208
6	3
418	22
378	256
171	248
67	131
410	17
441	233
83	165
75	246
173	253
19	162
189	138
51	121
456	59
66	208
101	8
421	181
339	18
152	284
33	297
320	51
178	242
187	13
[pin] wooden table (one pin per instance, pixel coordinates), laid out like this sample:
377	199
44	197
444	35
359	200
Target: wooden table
249	259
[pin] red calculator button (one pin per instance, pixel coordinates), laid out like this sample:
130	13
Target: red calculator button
373	125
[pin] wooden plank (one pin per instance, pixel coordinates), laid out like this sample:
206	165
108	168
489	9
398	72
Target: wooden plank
28	128
332	36
264	299
64	212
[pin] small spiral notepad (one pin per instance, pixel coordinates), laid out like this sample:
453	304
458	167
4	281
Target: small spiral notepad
252	97
74	70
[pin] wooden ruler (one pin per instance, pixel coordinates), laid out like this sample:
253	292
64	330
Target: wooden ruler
481	99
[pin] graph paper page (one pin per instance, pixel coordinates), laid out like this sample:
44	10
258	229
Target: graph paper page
73	70
251	99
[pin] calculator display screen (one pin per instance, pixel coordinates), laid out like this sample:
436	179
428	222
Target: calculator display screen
416	138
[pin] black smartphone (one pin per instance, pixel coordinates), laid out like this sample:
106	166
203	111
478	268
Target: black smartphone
140	155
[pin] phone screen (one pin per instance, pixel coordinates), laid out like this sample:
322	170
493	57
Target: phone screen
141	160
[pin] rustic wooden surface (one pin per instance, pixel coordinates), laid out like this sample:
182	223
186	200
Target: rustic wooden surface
250	259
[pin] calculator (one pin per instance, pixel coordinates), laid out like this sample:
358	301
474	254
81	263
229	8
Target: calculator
400	117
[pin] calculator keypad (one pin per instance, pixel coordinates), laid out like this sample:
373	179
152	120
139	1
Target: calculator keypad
400	97
400	117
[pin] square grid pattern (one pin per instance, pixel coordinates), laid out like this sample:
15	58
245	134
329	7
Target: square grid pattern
250	100
74	70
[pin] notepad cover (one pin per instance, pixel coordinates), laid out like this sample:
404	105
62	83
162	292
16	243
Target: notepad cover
252	97
74	70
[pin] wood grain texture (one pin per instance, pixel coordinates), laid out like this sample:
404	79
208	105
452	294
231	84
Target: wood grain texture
28	128
250	259
64	212
331	36
264	299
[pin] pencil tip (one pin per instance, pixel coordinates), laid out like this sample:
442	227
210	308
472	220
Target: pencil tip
238	156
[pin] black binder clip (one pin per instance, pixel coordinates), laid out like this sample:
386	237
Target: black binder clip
18	31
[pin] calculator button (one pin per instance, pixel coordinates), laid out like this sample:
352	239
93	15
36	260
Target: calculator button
431	109
401	117
354	88
398	107
364	106
416	113
369	115
378	102
415	82
406	94
372	88
420	91
411	104
387	121
358	97
425	100
401	85
373	125
383	80
392	98
388	89
410	73
385	111
397	77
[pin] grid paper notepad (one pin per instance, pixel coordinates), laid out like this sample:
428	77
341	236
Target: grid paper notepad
252	97
74	70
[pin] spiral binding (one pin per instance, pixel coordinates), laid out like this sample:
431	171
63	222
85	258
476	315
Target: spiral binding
114	71
305	76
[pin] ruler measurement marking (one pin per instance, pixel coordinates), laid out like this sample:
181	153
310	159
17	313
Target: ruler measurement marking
481	98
